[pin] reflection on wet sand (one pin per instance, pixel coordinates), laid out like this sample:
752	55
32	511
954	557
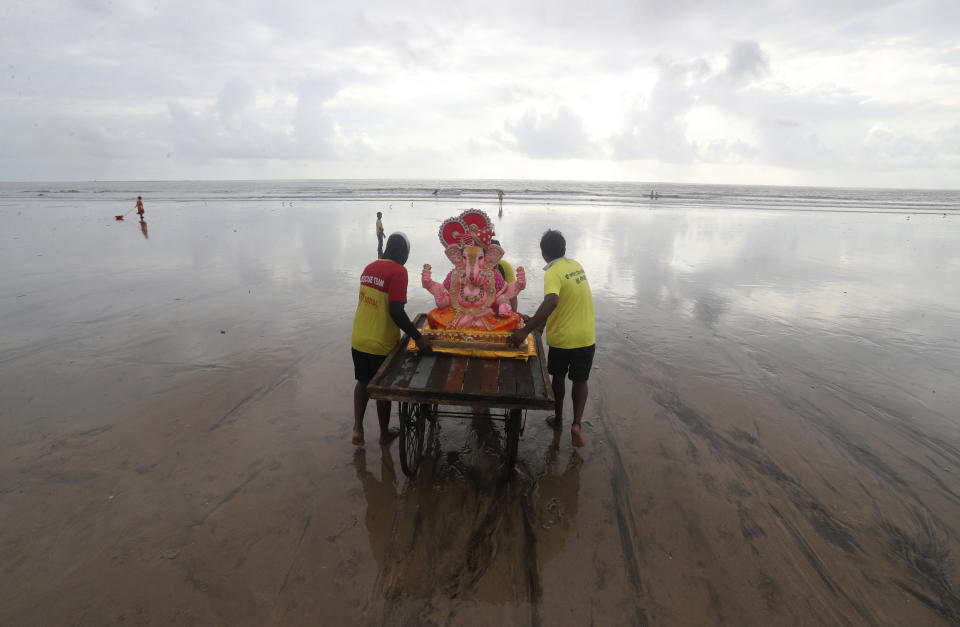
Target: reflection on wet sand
381	496
554	501
785	477
462	537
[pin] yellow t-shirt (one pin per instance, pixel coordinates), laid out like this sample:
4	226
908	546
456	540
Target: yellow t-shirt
509	275
379	228
571	324
374	331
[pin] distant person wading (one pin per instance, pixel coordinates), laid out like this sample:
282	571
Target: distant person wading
379	235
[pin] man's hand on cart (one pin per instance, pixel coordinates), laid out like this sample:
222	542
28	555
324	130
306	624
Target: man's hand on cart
517	336
423	344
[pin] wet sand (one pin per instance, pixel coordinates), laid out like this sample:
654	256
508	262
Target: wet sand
772	429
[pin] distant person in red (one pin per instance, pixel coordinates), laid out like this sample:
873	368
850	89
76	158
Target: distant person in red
140	206
376	329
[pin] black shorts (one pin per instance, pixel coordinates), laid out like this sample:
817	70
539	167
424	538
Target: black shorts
365	365
577	360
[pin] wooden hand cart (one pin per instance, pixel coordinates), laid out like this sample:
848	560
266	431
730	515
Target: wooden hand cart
422	384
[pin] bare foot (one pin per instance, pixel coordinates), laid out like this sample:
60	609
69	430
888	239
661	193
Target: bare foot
575	437
555	424
389	436
358	438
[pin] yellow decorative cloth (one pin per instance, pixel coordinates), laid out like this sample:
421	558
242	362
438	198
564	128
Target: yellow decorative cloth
482	353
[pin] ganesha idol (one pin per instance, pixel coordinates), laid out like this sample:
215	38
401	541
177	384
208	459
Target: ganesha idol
474	295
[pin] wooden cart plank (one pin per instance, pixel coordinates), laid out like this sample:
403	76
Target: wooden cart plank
462	400
473	376
457	372
490	376
424	367
440	373
508	376
524	380
453	380
386	373
539	388
405	371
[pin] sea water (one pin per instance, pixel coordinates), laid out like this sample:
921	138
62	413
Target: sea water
484	192
273	262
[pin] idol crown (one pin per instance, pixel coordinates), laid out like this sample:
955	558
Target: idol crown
471	228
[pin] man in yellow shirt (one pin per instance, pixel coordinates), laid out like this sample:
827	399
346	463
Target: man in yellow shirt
380	234
377	324
567	309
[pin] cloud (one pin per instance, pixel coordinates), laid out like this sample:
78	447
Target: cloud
776	125
887	149
314	128
551	135
235	97
867	86
199	135
746	62
657	129
784	142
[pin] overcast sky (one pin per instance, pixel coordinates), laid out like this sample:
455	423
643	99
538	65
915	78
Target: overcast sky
808	92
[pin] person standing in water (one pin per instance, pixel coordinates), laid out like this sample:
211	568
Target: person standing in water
379	235
140	206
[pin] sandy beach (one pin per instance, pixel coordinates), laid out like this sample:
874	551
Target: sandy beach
772	428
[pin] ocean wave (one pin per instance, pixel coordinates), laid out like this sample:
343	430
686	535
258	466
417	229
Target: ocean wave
516	192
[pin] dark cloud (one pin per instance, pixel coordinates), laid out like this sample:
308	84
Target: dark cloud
887	149
201	135
551	135
746	62
793	144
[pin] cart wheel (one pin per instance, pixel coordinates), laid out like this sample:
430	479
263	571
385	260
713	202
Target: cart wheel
412	427
513	424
